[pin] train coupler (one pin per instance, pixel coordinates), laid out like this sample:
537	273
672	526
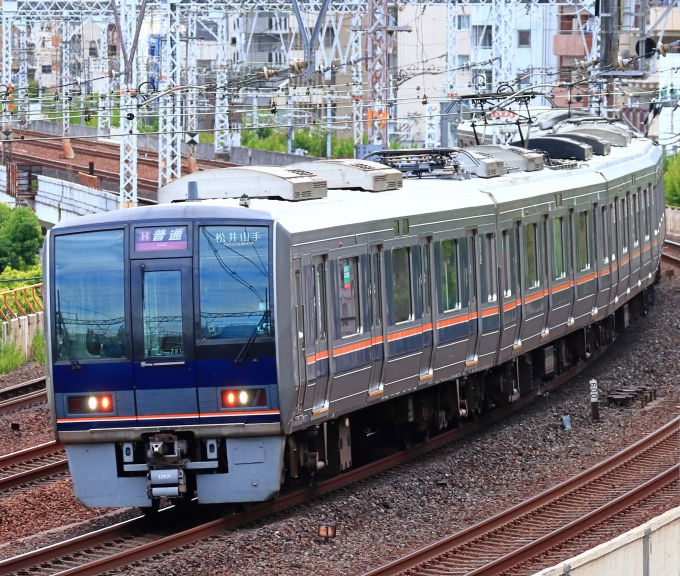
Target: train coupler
166	483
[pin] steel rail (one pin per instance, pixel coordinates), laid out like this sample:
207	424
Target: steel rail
22	394
30	453
124	558
436	549
579	525
34	474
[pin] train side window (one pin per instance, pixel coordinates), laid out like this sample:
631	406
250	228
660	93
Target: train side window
646	210
605	236
319	280
427	293
489	267
531	231
396	227
350	322
401	284
634	209
583	246
376	292
624	225
506	257
449	275
558	234
404	226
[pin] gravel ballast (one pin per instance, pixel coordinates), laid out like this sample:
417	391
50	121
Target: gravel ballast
434	495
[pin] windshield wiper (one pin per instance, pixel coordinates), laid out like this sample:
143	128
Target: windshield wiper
242	354
61	327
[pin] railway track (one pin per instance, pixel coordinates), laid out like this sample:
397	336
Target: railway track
671	252
36	463
23	394
534	527
132	541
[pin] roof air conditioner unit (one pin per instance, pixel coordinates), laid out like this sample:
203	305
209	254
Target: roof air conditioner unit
253	181
354	174
513	157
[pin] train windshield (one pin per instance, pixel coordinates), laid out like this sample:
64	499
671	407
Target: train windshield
234	282
90	295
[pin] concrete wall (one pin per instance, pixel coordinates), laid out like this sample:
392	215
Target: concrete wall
21	331
237	154
628	555
673	220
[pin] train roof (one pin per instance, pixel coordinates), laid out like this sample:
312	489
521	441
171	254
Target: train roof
419	196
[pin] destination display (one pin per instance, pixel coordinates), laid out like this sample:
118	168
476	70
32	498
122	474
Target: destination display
155	239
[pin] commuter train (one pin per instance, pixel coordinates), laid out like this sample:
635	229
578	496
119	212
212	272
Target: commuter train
265	324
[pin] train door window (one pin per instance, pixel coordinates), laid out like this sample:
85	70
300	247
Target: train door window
558	235
506	257
596	234
350	322
645	209
319	280
427	293
300	307
634	209
449	275
401	284
583	247
531	245
404	226
624	225
162	313
472	263
605	236
489	268
615	232
376	290
396	227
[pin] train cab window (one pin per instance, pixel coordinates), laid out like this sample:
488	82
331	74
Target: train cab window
401	284
319	281
489	268
583	244
558	260
89	290
234	282
350	319
605	236
449	275
531	254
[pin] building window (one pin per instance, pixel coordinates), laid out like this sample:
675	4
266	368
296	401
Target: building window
349	297
463	22
482	36
47	69
524	38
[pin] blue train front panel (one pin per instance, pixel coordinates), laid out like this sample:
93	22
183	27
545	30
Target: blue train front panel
163	360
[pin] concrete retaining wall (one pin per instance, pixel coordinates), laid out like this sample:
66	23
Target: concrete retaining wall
22	330
648	550
673	220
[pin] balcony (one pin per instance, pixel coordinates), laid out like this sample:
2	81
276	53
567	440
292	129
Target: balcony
571	44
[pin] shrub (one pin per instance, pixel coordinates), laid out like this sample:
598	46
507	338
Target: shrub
20	238
671	180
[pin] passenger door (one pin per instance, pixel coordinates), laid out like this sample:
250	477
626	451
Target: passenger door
472	274
300	332
163	341
317	346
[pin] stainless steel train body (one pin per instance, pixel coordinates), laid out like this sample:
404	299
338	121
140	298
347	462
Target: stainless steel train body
415	307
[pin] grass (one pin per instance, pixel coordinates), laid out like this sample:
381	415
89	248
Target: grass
38	347
10	357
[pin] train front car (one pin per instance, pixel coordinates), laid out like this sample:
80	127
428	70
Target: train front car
163	371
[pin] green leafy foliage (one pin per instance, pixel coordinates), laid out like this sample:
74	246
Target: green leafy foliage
20	238
314	142
671	180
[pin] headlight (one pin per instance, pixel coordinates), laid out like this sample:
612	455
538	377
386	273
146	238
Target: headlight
244	398
93	404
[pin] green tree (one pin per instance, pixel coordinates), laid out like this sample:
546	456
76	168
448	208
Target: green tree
5	212
20	239
671	180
